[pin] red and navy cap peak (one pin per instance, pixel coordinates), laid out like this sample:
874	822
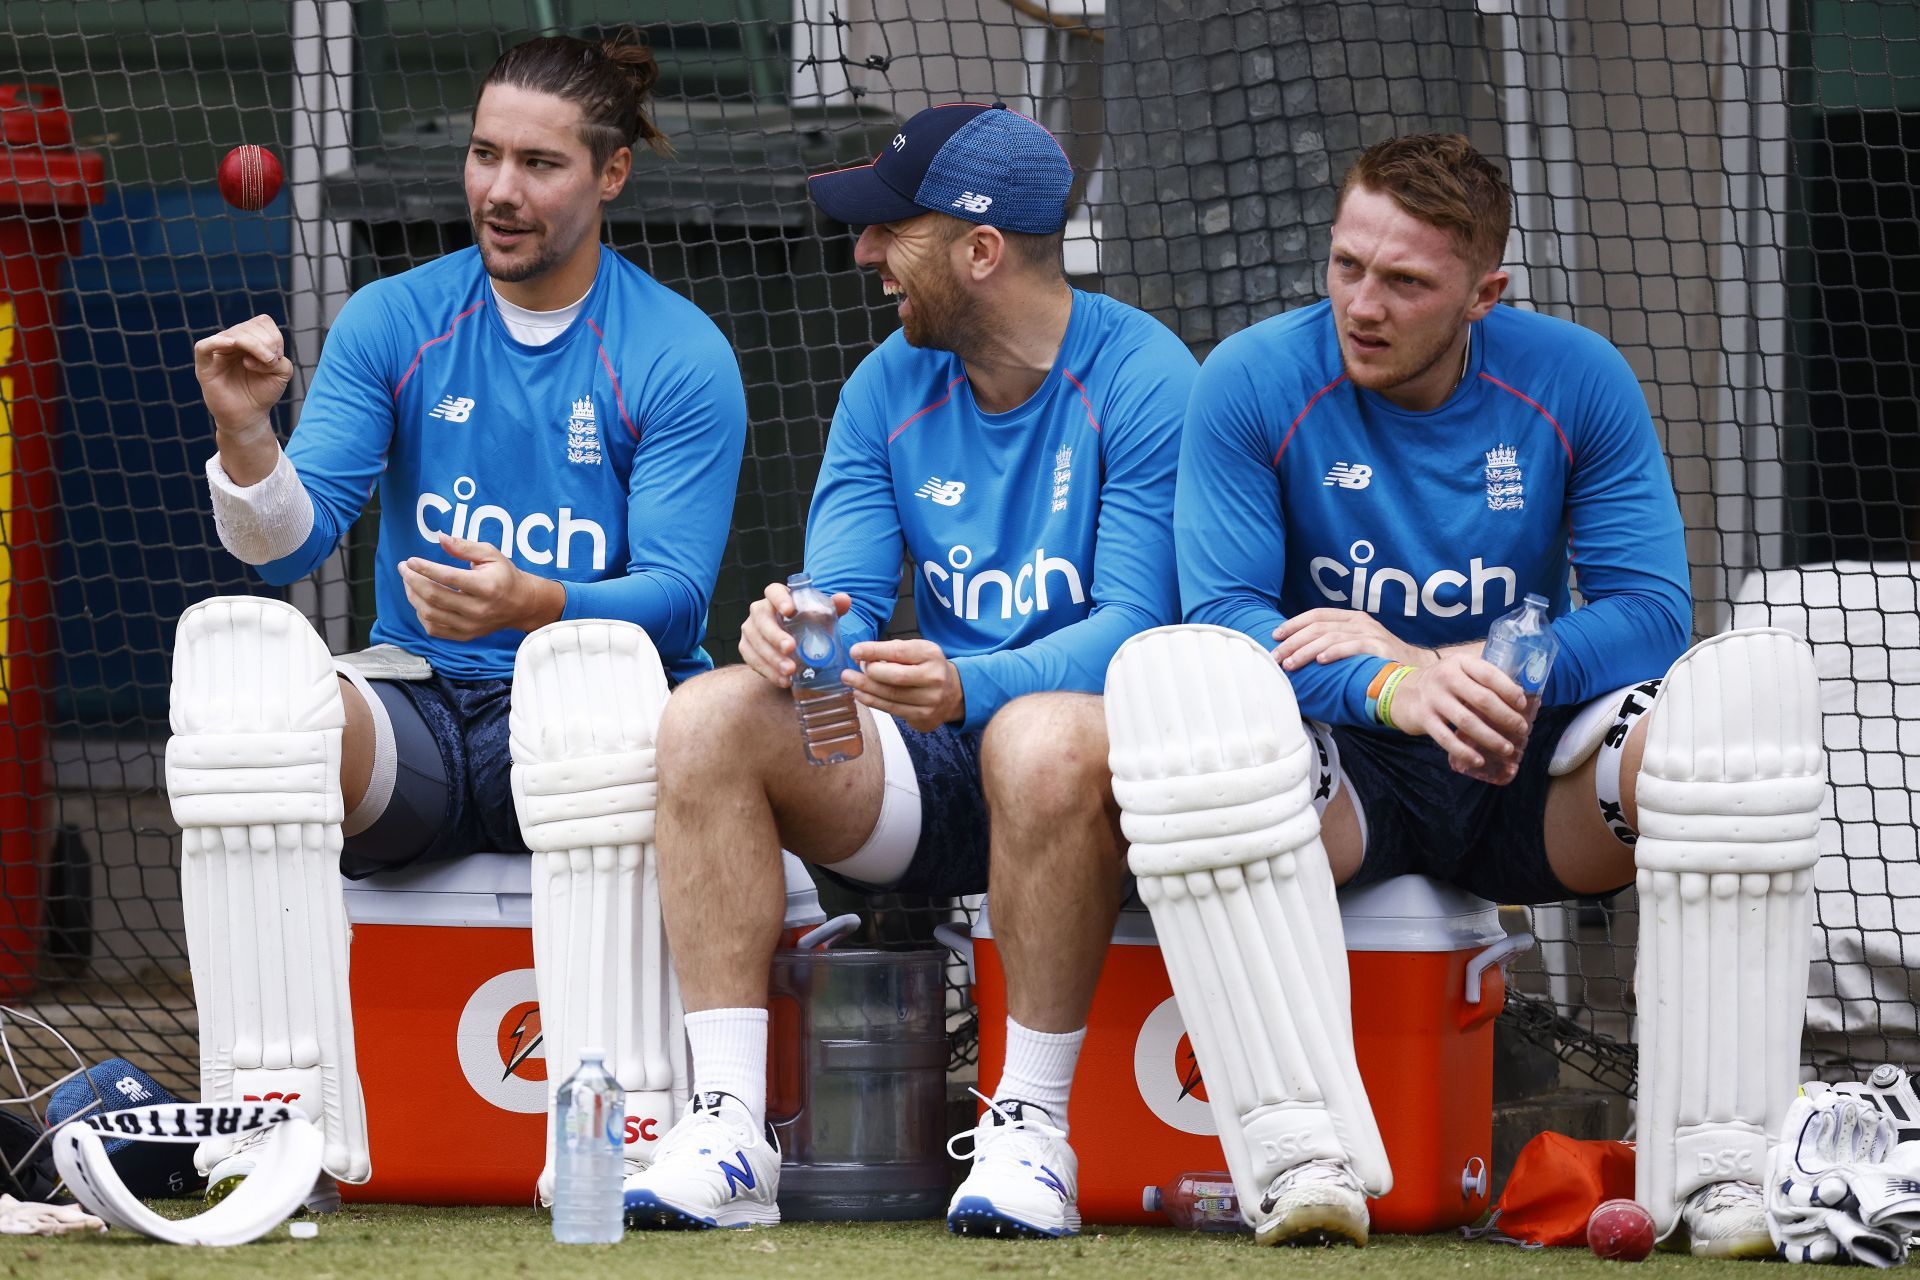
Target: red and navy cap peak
986	164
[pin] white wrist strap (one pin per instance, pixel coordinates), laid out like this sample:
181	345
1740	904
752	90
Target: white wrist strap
286	1163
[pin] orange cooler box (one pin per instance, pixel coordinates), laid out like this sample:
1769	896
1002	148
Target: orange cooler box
448	1032
1427	984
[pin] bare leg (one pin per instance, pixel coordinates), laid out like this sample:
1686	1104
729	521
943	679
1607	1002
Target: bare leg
1583	852
1057	856
1340	835
734	789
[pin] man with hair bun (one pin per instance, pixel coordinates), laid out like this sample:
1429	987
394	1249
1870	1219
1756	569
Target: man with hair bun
555	438
1366	485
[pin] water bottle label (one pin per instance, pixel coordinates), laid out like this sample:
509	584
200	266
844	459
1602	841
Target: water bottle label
1536	670
816	644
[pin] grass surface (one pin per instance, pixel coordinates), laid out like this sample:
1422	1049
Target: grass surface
391	1241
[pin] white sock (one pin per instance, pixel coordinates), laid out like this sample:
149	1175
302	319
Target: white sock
1040	1068
729	1048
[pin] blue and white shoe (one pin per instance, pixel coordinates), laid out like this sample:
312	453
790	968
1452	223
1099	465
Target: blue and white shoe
1025	1180
715	1168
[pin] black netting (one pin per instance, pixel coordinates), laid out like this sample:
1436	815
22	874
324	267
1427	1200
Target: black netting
1725	191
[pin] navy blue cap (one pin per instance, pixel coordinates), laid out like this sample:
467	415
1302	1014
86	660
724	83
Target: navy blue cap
151	1170
985	164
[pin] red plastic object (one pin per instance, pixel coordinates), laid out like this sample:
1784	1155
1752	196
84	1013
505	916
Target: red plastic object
447	1032
1139	1109
46	187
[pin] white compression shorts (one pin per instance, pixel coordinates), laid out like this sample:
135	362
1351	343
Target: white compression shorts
884	858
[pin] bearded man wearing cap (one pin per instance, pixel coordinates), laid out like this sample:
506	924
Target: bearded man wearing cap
1015	442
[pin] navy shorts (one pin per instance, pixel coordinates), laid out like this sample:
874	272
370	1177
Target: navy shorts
950	859
1423	817
467	805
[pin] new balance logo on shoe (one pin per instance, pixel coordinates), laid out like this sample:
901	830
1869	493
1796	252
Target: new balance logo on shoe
452	409
739	1177
973	203
1349	475
945	492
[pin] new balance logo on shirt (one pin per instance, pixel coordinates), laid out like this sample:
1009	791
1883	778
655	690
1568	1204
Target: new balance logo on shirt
945	492
452	409
1349	475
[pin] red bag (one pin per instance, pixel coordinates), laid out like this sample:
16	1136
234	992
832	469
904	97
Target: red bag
1556	1184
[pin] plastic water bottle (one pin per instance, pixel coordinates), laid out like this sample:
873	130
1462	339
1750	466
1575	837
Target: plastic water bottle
829	720
1197	1202
1523	646
589	1125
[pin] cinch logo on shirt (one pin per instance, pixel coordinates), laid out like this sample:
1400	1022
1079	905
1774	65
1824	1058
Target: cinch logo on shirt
451	409
514	536
1367	585
1023	592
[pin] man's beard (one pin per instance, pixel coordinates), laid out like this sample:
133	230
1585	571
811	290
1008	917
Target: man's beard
512	272
943	317
1398	378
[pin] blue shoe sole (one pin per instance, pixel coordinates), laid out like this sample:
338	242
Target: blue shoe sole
977	1216
645	1213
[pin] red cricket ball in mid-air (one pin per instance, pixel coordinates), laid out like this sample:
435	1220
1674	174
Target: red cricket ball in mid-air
1621	1230
250	177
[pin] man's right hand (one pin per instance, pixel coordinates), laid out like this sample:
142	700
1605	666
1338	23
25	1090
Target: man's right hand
243	372
764	643
1479	716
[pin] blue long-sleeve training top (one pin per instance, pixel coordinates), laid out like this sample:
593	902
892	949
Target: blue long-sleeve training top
605	460
1039	539
1300	491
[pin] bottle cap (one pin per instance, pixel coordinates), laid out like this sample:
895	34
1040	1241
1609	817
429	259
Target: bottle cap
798	580
1538	602
1150	1199
593	1054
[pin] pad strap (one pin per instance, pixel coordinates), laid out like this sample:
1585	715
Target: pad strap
1606	769
286	1165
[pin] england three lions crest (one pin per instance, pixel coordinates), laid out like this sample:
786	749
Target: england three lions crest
1505	489
583	434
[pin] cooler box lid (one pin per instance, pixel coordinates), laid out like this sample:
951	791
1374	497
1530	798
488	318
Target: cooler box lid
481	890
1414	913
1405	913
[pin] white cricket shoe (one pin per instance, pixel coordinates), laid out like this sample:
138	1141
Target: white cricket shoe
1726	1220
543	1187
713	1169
1315	1202
1025	1180
232	1169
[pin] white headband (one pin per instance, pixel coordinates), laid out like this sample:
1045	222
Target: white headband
285	1165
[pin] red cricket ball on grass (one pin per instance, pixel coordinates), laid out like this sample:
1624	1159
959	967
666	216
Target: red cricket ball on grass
1621	1230
250	177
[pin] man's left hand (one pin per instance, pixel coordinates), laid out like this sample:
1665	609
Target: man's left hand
489	595
1328	635
910	680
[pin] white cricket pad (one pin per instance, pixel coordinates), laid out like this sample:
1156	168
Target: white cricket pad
1214	775
587	698
285	1167
253	771
1729	793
